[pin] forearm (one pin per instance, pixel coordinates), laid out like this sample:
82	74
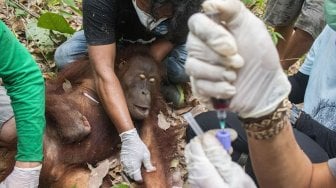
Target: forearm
108	86
160	49
279	161
115	106
25	86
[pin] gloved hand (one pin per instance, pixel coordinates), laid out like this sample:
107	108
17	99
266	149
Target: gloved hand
22	178
256	85
209	165
133	153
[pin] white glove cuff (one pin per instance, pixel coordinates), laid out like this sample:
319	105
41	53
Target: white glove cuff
128	134
28	169
131	131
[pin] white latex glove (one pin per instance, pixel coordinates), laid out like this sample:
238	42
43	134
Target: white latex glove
209	165
215	53
22	178
133	153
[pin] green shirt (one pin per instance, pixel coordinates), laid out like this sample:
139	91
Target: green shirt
25	86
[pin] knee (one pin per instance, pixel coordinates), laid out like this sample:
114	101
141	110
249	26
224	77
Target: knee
61	55
8	132
178	76
175	65
71	50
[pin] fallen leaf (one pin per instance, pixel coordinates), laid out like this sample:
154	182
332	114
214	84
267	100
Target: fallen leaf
67	86
98	173
162	121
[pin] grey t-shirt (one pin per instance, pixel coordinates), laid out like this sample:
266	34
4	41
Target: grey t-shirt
332	166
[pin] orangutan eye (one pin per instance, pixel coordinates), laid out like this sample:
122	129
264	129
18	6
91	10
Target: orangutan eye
142	76
152	80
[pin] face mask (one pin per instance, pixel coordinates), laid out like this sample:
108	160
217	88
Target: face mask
146	19
330	13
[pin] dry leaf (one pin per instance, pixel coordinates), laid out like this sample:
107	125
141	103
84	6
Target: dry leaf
98	173
67	86
162	121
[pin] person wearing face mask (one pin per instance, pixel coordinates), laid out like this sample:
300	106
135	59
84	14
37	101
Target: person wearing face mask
112	24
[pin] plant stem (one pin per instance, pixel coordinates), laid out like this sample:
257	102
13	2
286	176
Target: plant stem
21	6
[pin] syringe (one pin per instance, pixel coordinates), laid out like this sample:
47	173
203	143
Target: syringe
222	136
221	105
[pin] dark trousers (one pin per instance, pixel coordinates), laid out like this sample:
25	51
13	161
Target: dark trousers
208	121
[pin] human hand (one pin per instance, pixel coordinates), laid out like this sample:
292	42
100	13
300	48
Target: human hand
215	63
133	153
209	165
23	177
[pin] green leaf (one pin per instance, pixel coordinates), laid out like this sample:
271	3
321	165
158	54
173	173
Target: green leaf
52	3
77	10
248	2
65	14
11	4
121	185
70	3
20	12
55	22
39	36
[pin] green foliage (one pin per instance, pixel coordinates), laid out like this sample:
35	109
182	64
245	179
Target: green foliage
258	8
121	185
55	22
72	5
275	36
248	2
52	3
39	36
20	12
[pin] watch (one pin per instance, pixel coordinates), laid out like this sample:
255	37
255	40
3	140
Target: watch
295	113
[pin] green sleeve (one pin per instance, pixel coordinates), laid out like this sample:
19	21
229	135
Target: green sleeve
25	86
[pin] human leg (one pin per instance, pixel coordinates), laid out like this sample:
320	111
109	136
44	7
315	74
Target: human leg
286	32
7	121
175	65
308	26
176	75
71	50
281	14
298	44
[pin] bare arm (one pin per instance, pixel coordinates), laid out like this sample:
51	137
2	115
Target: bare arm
102	59
160	49
279	162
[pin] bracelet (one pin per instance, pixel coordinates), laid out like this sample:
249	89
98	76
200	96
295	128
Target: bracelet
268	126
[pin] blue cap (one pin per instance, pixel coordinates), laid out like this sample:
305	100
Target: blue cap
224	138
